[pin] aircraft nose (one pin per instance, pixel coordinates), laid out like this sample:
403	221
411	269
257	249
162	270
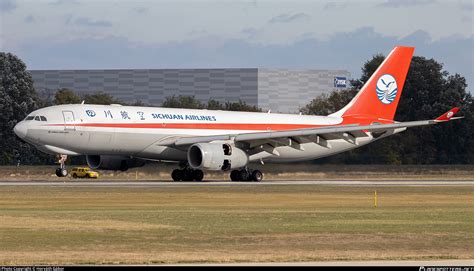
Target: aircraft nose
20	129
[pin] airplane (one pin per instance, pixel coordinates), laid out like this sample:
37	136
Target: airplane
115	137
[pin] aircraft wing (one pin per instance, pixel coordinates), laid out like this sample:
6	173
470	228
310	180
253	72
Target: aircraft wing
320	135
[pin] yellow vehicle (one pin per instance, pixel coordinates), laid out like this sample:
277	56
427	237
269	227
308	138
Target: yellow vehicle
84	172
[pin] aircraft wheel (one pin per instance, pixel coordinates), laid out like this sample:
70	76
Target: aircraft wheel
58	172
63	172
187	176
235	175
244	175
177	175
257	176
198	175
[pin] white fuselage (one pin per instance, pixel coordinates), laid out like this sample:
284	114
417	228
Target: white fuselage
137	131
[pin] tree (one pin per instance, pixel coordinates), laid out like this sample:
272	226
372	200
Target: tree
327	104
214	105
66	96
428	92
232	106
17	99
192	103
182	102
241	106
100	98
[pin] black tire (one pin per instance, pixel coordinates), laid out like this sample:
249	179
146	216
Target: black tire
177	175
187	176
198	175
74	175
235	175
58	172
63	172
257	176
244	175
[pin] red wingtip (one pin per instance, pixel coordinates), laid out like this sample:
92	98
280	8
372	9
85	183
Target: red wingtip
448	115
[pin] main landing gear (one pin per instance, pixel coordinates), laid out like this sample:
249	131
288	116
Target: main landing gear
246	175
187	174
61	171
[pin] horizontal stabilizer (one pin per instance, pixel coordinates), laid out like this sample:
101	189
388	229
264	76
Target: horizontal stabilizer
448	115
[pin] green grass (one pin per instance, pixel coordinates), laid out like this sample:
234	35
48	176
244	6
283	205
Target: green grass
234	224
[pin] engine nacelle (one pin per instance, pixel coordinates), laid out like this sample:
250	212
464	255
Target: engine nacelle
111	162
216	156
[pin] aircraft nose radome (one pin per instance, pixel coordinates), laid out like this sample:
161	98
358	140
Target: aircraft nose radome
20	129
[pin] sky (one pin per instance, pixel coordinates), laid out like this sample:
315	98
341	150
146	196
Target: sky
107	34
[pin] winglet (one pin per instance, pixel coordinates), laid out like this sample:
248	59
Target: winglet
448	115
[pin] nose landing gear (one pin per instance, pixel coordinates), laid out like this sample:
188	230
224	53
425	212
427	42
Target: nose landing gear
61	171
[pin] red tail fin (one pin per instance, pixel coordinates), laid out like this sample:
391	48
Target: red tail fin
378	98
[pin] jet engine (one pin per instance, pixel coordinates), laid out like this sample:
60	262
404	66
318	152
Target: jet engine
111	162
216	156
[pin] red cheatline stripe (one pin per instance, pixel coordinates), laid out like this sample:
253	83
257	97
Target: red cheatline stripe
209	126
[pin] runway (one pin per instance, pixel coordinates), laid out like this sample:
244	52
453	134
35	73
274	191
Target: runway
141	183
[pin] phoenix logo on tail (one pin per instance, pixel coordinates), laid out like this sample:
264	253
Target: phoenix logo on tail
386	88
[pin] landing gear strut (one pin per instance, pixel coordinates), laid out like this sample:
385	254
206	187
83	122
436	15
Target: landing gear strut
246	175
187	174
61	171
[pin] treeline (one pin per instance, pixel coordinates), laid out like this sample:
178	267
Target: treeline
67	96
428	92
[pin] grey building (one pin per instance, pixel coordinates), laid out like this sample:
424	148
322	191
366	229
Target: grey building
281	90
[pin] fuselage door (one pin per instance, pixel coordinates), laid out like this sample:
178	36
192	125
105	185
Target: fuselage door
68	120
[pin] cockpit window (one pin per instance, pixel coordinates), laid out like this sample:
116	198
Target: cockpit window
37	118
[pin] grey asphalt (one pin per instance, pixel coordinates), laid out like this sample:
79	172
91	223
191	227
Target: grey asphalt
141	183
